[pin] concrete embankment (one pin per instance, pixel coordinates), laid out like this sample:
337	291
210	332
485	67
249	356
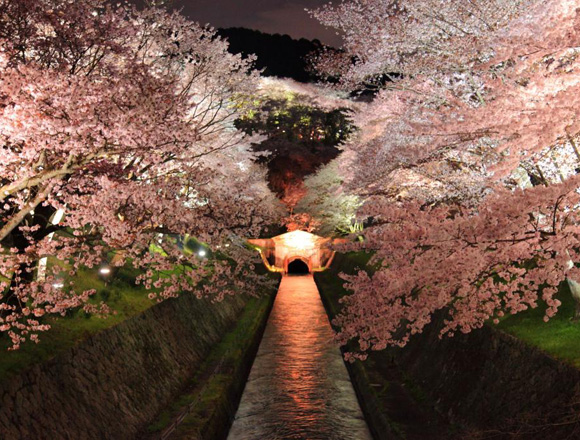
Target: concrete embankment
114	384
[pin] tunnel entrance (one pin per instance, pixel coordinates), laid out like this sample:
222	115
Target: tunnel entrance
278	252
298	267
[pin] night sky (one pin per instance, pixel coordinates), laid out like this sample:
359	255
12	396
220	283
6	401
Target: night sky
271	16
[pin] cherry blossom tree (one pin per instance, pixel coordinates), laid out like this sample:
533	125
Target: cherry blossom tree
122	120
466	160
327	202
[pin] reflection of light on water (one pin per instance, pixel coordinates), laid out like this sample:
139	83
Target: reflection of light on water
301	370
298	387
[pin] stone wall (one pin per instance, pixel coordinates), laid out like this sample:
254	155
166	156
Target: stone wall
111	385
485	384
491	380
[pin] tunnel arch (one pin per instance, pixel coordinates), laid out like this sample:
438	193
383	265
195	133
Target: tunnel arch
298	266
277	252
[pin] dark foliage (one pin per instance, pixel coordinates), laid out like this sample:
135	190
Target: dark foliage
279	55
300	138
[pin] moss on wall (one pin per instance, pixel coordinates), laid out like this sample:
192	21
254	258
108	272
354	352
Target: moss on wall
208	404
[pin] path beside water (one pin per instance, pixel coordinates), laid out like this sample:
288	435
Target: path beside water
299	387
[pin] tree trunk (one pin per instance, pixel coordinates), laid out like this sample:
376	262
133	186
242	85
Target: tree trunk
575	292
25	273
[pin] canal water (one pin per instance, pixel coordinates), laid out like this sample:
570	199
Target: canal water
298	387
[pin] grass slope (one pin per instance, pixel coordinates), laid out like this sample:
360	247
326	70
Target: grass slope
559	337
119	292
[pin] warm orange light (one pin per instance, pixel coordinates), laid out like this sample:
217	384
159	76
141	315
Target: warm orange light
299	240
310	248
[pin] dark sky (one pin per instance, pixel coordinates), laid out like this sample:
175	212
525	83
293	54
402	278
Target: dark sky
272	16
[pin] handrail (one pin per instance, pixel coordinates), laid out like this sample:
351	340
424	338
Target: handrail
267	264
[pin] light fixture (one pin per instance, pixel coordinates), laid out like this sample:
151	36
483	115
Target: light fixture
105	270
202	253
58	285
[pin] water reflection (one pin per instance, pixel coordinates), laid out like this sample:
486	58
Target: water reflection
298	387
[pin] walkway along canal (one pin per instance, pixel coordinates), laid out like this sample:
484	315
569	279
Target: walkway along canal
298	387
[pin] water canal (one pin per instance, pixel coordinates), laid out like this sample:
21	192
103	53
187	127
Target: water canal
298	387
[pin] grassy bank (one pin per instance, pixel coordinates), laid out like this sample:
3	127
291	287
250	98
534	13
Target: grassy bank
558	337
117	289
120	293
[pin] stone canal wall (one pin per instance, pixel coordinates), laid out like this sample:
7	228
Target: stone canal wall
492	380
111	385
485	384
